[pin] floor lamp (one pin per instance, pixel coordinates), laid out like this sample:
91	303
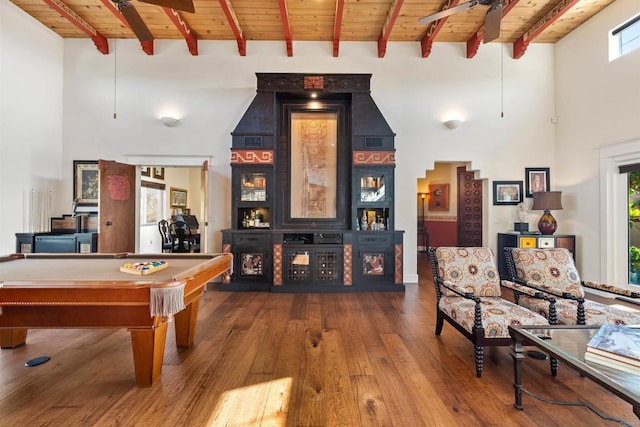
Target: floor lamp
425	233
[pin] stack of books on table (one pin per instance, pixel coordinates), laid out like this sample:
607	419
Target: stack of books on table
615	346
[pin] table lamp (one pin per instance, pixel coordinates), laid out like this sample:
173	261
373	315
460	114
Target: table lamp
547	201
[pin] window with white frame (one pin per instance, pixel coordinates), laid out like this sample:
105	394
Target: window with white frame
625	38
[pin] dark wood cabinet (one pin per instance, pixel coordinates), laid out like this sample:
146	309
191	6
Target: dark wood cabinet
313	189
508	240
56	242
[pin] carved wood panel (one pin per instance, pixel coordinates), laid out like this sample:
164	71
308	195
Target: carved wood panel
469	209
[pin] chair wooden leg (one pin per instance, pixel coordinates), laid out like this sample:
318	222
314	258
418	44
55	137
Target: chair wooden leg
439	322
479	355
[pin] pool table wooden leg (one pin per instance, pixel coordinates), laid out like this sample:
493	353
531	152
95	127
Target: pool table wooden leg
148	353
12	338
185	321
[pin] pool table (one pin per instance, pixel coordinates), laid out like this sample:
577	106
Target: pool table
90	291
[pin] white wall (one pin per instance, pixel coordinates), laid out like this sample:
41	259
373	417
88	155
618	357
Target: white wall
210	93
598	105
31	69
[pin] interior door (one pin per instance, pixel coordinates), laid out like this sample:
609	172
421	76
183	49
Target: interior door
204	197
117	207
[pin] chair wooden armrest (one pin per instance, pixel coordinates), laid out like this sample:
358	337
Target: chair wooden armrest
458	290
548	289
611	289
522	289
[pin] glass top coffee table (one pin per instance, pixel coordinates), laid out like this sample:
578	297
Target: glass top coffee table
568	344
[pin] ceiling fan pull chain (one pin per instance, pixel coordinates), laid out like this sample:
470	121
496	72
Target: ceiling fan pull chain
501	75
115	77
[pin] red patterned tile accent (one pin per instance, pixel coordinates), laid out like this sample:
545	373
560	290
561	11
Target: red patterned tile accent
313	82
252	157
347	279
374	158
277	264
226	248
399	267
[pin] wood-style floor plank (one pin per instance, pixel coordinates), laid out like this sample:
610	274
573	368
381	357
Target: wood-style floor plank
262	359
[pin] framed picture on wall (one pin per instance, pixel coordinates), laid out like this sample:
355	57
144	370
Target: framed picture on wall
537	179
152	202
145	170
158	173
507	192
178	198
85	182
438	197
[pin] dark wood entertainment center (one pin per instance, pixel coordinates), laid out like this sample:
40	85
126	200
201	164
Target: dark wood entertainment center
313	163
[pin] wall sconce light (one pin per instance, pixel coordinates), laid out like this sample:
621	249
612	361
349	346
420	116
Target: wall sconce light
453	123
169	121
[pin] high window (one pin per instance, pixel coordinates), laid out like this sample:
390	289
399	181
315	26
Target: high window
625	38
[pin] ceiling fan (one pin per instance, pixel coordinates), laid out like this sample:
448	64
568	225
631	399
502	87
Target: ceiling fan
135	21
491	20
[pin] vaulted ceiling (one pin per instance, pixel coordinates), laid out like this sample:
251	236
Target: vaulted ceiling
331	21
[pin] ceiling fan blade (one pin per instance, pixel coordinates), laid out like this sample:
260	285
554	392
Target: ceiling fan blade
447	12
183	5
136	23
492	22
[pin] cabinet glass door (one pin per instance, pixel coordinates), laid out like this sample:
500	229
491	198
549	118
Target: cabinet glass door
372	188
253	187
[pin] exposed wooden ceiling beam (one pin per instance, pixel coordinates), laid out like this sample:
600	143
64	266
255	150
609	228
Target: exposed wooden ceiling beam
434	28
286	26
394	11
98	39
337	27
235	26
520	45
474	41
147	46
184	29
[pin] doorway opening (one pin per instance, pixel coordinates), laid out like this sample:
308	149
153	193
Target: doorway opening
170	194
450	207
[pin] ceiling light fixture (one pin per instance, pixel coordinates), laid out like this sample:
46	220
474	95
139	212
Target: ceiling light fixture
453	123
169	121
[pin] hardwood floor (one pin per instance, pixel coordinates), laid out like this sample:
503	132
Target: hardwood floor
369	359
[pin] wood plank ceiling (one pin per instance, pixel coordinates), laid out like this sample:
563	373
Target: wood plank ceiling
333	21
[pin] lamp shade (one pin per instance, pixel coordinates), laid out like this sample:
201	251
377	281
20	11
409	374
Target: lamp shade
547	201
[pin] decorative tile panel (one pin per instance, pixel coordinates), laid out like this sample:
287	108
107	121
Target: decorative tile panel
347	276
251	157
277	264
374	158
399	266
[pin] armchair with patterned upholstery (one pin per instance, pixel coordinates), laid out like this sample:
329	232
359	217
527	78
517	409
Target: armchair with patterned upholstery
552	272
469	298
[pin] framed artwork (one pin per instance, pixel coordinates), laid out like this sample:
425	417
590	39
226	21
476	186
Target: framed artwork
145	171
152	202
507	192
373	264
86	182
251	264
438	197
178	198
536	179
158	173
313	165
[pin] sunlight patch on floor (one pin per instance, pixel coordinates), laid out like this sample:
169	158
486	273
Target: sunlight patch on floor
264	404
